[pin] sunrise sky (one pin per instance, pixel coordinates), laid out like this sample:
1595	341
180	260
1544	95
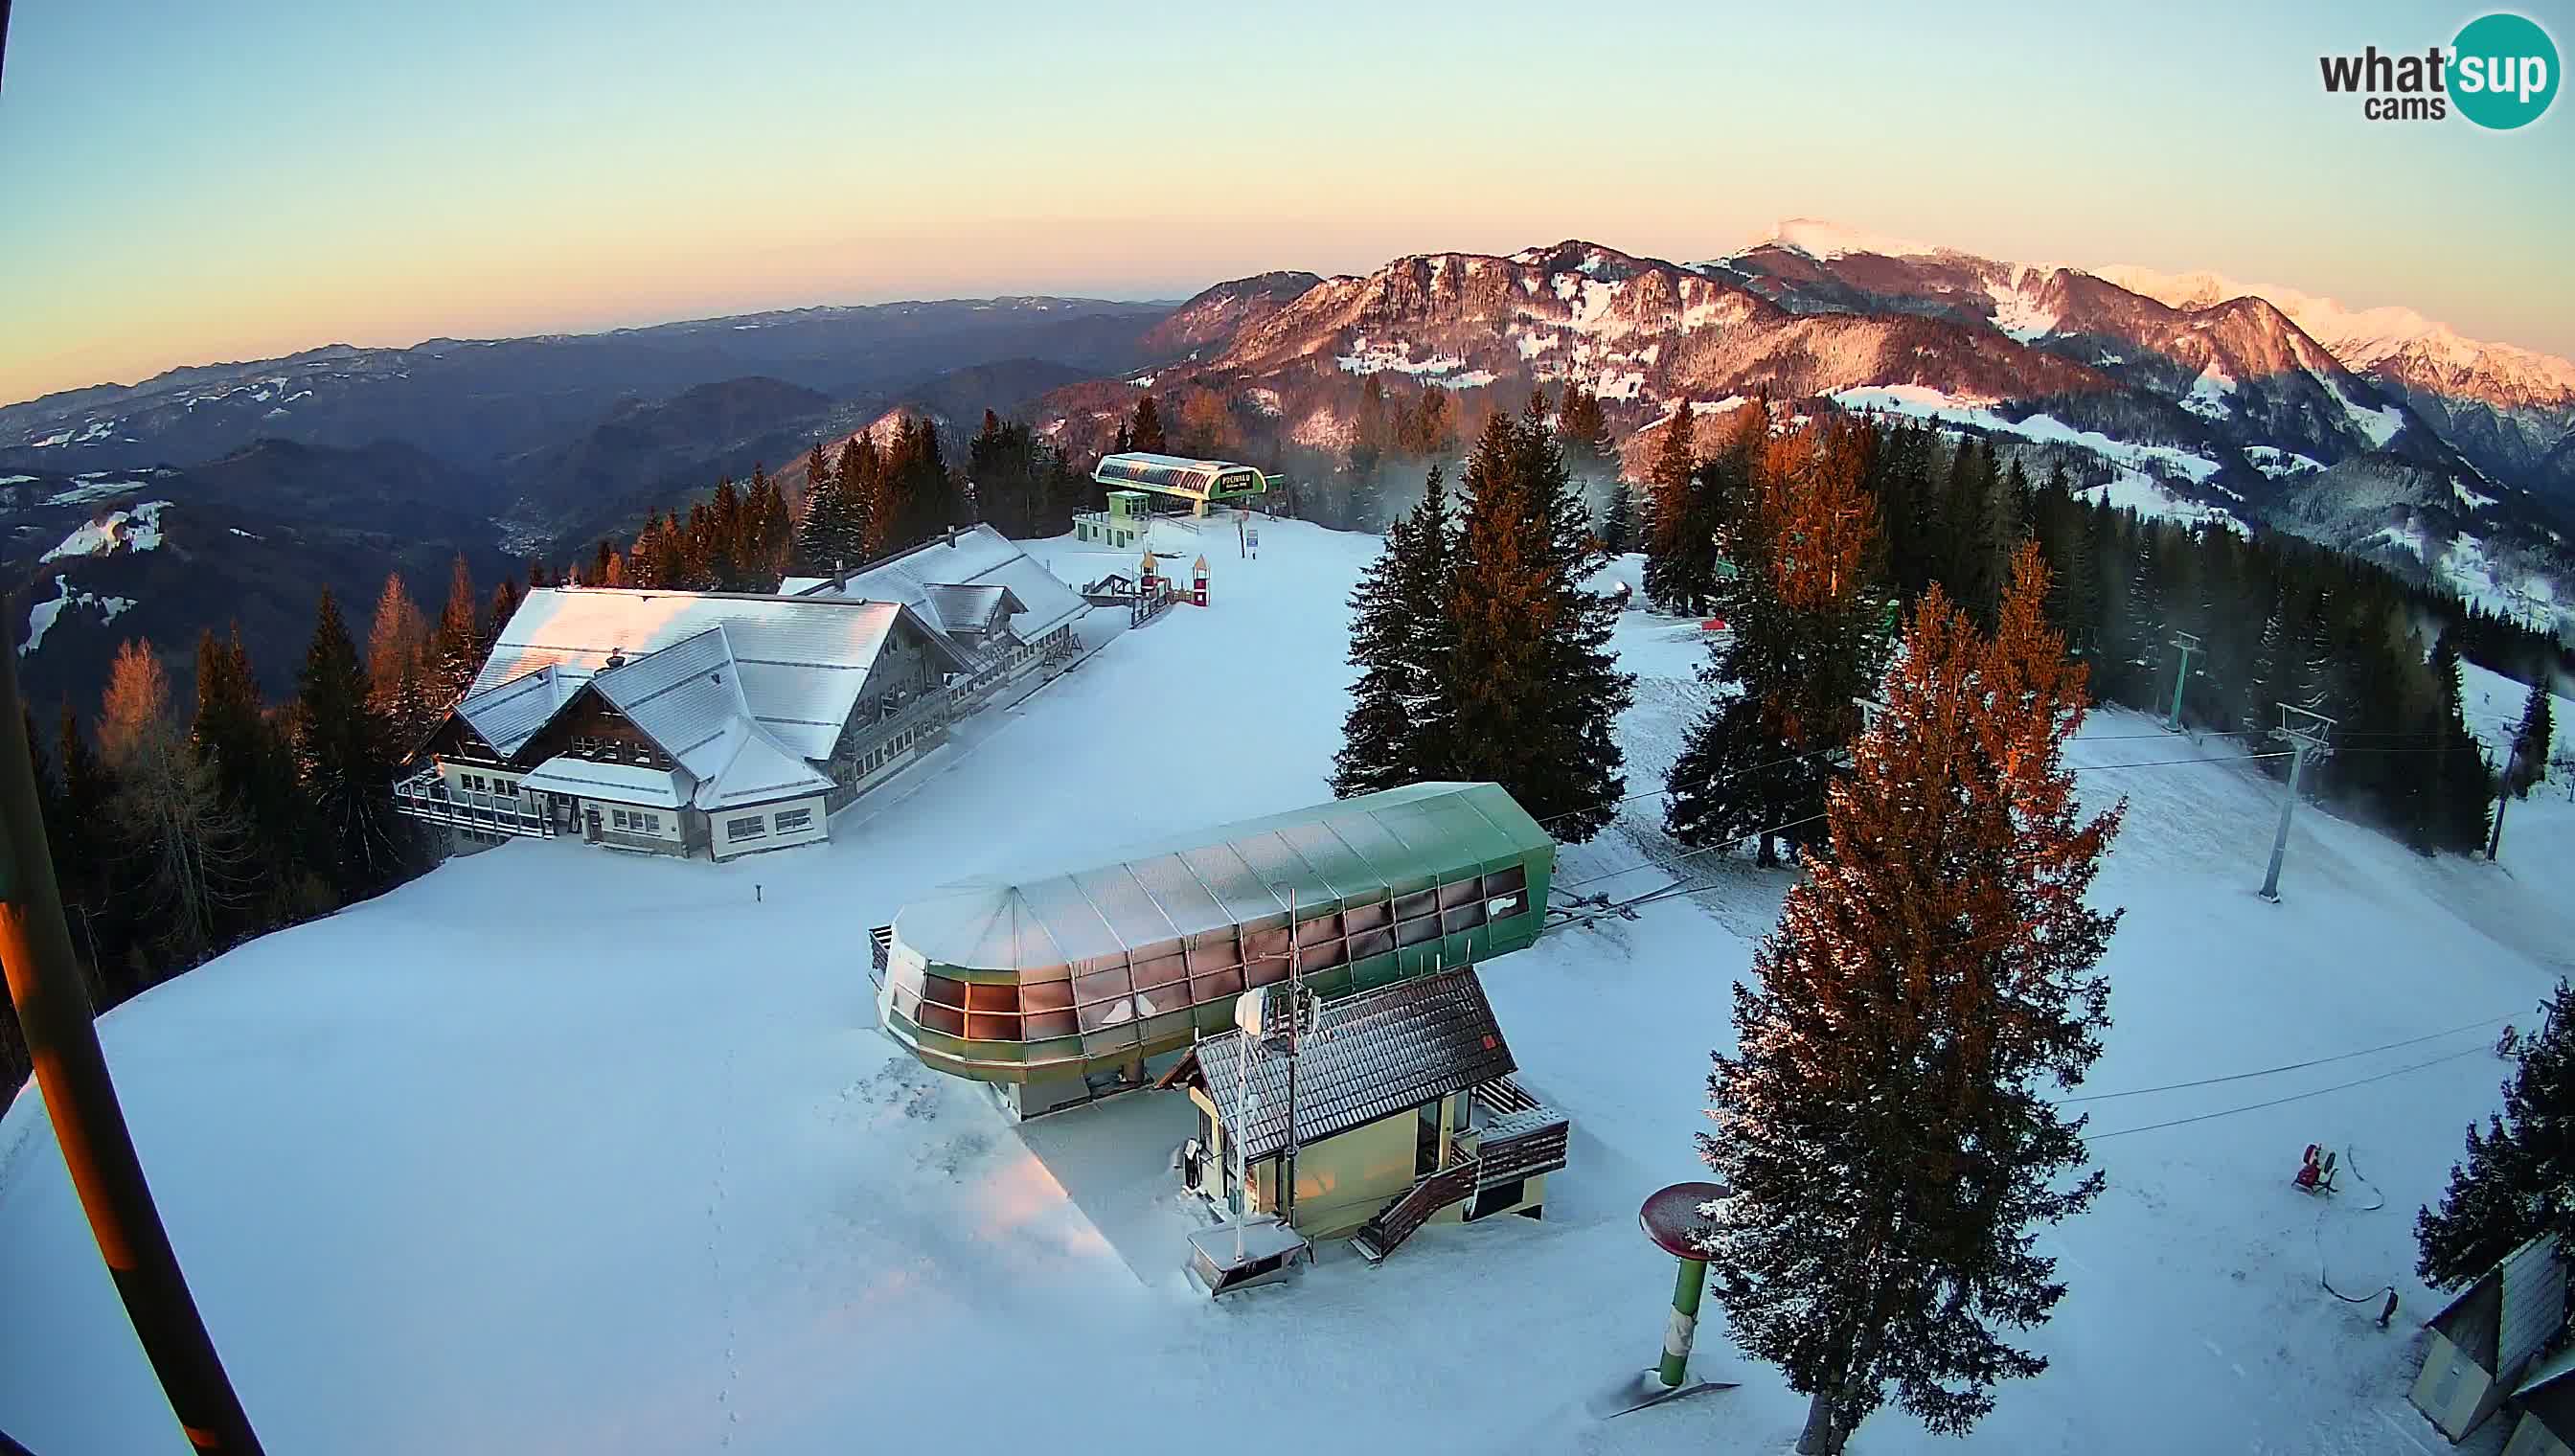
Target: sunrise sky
187	182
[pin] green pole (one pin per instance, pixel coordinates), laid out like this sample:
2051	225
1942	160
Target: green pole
2187	643
1676	1335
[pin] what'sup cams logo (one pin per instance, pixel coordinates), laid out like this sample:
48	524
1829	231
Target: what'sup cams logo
2500	72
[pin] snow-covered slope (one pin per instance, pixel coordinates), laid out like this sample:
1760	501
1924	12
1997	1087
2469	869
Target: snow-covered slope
558	1150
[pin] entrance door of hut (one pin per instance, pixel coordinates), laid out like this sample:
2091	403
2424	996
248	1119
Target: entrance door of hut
1426	1140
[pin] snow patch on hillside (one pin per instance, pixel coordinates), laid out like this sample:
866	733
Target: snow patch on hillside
43	614
2275	462
2018	311
135	530
1265	399
2473	499
2208	393
90	489
2410	537
2378	424
2477	577
1930	404
2135	491
1365	357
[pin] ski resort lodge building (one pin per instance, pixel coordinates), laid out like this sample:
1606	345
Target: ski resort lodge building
727	723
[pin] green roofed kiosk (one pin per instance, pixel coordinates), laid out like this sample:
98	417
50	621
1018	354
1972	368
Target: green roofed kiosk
1181	485
1061	988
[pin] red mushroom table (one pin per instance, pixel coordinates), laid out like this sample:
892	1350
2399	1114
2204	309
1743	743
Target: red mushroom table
1673	1221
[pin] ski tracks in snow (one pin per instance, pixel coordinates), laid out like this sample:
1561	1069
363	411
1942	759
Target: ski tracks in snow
718	1193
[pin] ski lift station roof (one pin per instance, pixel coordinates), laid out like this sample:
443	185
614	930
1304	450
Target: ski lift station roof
1174	475
1095	969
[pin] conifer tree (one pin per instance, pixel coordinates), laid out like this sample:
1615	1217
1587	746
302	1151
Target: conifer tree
1617	524
1145	430
1680	552
254	770
768	533
724	544
89	863
2530	739
455	648
1805	613
1887	1127
2466	785
1533	686
505	604
346	767
2518	1182
1397	728
397	638
187	843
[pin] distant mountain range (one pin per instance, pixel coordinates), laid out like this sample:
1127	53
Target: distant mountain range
337	464
2191	396
2378	432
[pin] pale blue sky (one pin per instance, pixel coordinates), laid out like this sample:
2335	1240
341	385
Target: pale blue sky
188	182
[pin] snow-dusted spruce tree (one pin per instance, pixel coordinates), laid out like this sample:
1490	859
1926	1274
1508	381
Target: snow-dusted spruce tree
2531	739
1396	730
1533	689
1805	608
1887	1125
1618	519
2519	1179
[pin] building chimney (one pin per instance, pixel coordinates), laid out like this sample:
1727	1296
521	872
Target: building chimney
615	657
952	536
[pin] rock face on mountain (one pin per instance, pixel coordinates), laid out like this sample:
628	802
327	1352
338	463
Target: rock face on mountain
1224	311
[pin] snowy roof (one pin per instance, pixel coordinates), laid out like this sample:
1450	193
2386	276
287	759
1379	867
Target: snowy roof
623	782
509	713
1174	473
968	609
978	555
1372	1055
687	697
801	662
1362	850
2512	1311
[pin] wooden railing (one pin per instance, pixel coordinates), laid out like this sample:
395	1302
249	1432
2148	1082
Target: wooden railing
1510	1154
1396	1222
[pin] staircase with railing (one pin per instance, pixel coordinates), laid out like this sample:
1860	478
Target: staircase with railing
1520	1138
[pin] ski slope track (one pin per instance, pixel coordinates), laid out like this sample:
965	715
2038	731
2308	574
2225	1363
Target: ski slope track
559	1150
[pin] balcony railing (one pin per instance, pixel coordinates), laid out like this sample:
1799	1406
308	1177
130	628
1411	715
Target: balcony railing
426	796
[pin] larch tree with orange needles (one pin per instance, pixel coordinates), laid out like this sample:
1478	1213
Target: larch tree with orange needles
1885	1126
